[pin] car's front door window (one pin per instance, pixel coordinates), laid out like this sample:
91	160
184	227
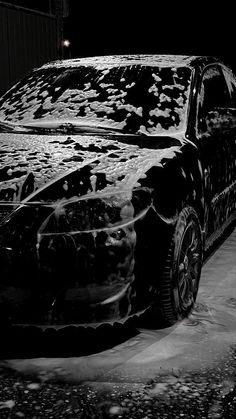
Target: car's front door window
231	82
213	96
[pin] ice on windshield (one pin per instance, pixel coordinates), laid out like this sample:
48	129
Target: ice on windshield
133	98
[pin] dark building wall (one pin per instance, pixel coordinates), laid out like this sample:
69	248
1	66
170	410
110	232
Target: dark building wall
27	40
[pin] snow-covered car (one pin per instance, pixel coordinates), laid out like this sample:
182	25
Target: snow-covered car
117	173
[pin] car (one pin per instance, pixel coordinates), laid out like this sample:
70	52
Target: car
117	174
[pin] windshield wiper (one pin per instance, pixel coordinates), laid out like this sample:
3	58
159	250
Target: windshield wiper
10	127
6	126
98	128
47	127
69	127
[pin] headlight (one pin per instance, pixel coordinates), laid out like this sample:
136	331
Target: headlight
93	238
96	212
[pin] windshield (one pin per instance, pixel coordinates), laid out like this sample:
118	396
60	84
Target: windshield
133	98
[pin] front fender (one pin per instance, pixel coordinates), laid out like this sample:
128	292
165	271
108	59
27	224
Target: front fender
177	183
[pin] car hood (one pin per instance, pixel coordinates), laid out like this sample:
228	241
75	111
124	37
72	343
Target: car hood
54	167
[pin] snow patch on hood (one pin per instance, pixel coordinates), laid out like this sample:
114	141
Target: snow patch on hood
48	158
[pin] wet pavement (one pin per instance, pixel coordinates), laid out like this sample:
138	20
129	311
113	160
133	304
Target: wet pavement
141	370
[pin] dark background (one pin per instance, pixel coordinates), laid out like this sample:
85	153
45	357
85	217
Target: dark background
119	27
32	31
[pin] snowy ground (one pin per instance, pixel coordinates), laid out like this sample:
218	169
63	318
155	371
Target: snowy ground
188	370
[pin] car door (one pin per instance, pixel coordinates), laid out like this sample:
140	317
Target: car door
216	139
231	82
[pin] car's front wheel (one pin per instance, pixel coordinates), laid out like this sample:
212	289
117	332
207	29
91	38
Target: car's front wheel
182	268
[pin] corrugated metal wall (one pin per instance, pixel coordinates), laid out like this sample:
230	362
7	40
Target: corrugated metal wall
27	40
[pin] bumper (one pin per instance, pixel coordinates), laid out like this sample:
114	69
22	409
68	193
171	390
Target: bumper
66	279
50	277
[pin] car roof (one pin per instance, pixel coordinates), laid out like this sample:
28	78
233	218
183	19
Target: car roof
142	59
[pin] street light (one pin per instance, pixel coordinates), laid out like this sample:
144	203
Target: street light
66	43
66	48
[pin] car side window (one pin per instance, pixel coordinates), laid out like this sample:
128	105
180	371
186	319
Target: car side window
213	94
231	82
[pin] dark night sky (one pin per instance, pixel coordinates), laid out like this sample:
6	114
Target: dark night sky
150	27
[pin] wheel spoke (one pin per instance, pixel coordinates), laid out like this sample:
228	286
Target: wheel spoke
194	258
181	280
186	241
194	246
192	242
181	268
182	289
182	254
188	289
192	271
193	278
192	234
187	286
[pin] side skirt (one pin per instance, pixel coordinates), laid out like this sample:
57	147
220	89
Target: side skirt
217	234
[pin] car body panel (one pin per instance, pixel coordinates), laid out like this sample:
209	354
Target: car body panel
121	169
86	219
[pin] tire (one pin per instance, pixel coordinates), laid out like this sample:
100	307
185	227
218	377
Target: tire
182	268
